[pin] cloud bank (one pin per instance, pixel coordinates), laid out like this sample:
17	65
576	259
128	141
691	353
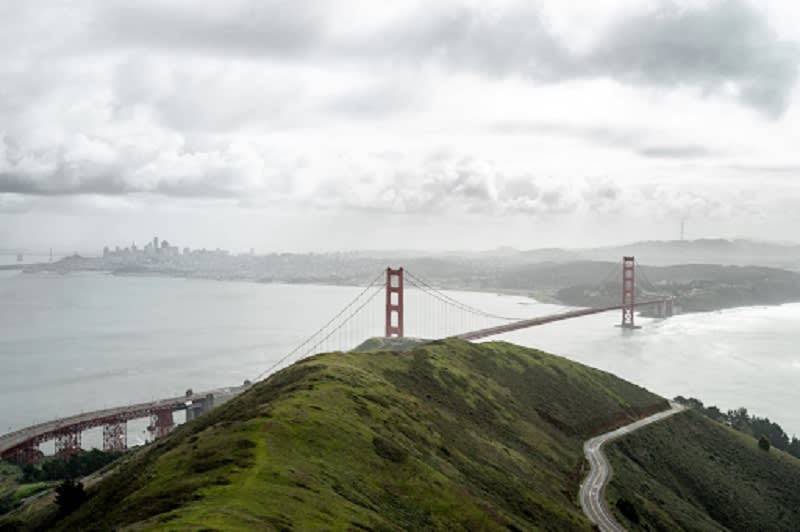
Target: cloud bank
409	108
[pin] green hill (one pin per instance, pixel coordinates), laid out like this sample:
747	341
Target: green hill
692	473
447	435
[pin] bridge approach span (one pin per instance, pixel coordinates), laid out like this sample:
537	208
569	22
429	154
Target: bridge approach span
20	444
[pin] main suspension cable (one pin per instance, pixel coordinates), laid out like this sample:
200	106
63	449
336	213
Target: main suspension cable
438	294
321	329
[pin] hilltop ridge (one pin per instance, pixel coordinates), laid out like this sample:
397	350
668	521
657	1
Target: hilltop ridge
445	435
440	435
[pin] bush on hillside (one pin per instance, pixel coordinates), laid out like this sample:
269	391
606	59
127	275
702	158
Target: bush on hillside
763	443
627	509
69	496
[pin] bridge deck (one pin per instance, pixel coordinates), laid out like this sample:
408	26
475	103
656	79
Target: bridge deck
541	320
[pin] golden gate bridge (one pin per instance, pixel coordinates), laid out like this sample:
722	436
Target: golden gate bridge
410	307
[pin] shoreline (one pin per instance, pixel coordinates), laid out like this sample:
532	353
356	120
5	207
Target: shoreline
533	295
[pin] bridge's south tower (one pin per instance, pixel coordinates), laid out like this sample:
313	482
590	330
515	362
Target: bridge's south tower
394	303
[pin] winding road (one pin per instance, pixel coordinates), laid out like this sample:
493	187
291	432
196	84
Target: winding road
592	489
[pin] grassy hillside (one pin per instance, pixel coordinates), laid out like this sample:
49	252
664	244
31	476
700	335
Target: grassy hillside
448	435
692	473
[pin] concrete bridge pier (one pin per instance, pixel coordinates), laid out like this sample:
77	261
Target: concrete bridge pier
199	406
665	308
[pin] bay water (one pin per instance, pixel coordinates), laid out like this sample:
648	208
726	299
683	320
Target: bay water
85	341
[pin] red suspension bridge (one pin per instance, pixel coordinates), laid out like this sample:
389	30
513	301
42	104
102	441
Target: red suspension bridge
411	307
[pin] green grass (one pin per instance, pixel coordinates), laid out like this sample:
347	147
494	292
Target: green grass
692	473
26	490
447	435
9	478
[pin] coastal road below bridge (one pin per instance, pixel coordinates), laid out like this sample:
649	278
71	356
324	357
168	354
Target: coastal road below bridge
593	487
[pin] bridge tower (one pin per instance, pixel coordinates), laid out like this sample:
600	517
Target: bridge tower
115	436
628	292
68	442
27	453
394	303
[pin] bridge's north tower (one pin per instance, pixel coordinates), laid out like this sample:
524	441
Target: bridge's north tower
394	303
628	292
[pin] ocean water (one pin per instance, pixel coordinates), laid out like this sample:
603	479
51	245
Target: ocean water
79	342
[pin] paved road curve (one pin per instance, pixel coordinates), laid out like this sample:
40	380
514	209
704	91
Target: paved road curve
592	489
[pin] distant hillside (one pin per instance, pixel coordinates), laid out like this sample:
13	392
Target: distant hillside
741	252
696	287
448	435
712	251
692	473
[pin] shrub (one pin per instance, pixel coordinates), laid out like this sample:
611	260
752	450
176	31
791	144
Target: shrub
69	496
389	450
627	509
763	443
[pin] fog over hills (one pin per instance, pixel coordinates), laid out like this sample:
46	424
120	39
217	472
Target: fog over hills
740	252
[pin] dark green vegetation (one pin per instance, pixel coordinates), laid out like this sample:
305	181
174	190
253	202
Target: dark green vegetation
19	482
390	344
70	495
754	426
691	473
77	465
12	489
449	435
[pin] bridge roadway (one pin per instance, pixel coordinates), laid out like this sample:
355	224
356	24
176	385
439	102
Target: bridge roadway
524	324
36	434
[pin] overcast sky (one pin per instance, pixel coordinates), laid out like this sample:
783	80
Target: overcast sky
321	125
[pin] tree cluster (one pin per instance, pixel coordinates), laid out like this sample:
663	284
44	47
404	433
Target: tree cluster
77	465
742	421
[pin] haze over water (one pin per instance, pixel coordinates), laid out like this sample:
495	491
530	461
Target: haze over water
86	341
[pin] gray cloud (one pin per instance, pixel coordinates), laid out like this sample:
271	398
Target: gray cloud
445	183
719	44
266	27
678	151
647	143
786	169
57	185
603	196
111	185
516	40
99	105
378	99
80	167
724	41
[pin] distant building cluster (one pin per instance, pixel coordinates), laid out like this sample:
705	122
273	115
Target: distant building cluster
160	257
161	254
151	249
